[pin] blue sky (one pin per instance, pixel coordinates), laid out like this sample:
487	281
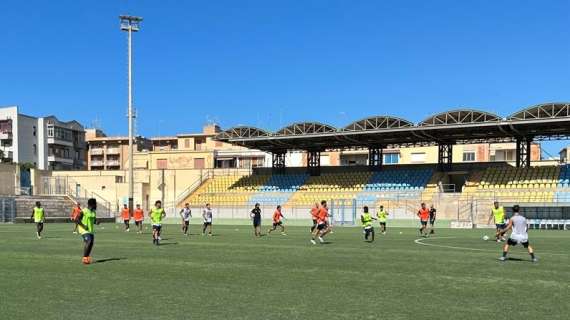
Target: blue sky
270	63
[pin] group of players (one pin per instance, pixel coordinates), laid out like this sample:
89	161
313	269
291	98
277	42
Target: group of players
85	219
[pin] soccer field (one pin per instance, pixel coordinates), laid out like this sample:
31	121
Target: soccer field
231	275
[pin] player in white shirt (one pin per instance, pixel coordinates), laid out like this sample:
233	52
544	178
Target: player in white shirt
519	235
186	214
207	216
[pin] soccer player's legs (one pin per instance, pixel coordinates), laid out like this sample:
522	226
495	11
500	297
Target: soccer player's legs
423	226
431	225
88	241
314	225
156	233
39	229
383	227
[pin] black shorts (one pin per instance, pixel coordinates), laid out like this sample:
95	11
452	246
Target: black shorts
280	223
207	223
321	226
512	242
88	236
314	222
39	224
256	223
424	223
157	228
383	224
186	223
138	223
126	221
432	222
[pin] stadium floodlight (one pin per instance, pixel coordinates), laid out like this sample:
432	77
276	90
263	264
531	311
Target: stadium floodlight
130	24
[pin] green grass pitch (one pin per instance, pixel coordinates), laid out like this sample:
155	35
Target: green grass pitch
454	275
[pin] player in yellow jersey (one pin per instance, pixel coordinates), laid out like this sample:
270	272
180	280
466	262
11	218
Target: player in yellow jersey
156	215
86	220
382	218
499	216
38	217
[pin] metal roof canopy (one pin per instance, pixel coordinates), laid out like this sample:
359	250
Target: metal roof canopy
549	121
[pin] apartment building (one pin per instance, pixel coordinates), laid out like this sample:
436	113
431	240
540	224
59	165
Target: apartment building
46	142
111	153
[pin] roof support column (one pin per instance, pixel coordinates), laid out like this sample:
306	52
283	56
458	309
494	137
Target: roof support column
375	158
523	152
314	162
444	156
278	161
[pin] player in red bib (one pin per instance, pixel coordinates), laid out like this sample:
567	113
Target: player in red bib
278	221
423	214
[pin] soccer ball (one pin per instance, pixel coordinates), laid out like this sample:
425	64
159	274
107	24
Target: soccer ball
485	237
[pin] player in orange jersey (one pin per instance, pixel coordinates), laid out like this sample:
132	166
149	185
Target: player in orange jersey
423	214
278	221
314	215
323	227
74	214
138	215
126	215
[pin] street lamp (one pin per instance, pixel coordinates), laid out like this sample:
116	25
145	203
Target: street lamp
130	24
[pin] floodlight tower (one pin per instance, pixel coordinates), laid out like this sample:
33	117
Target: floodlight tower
130	24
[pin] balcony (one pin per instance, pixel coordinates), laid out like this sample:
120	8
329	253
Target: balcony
97	152
96	163
58	141
113	151
6	135
113	163
53	158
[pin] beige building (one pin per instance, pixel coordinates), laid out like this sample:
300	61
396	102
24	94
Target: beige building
111	153
198	151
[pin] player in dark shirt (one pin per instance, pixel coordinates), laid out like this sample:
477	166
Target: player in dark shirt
432	216
256	217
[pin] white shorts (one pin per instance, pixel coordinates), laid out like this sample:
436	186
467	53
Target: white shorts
519	238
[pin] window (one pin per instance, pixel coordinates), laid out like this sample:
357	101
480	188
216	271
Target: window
468	156
199	163
50	131
35	148
34	131
418	157
391	158
162	163
186	143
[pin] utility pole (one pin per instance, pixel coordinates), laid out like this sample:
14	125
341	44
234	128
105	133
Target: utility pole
130	24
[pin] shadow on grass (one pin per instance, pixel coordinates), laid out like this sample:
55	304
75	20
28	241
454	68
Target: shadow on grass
167	244
108	260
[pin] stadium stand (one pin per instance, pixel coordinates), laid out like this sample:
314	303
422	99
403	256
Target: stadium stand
534	184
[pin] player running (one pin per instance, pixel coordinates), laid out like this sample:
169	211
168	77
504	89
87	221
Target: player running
519	234
314	215
86	220
423	214
156	215
498	215
38	216
185	214
382	218
323	228
278	221
366	219
138	216
207	216
74	213
432	217
126	215
255	215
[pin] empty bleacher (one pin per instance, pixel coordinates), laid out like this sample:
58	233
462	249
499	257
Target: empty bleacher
534	184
